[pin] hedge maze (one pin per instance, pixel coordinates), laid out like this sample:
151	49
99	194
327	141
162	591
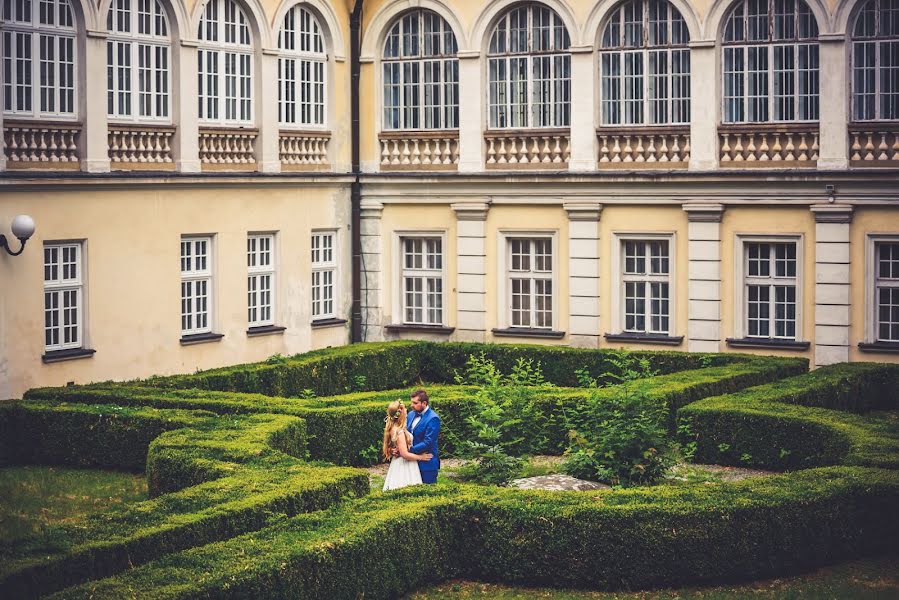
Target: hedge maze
255	491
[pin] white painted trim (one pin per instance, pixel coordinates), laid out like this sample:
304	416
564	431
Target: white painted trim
871	239
373	37
617	285
396	262
503	292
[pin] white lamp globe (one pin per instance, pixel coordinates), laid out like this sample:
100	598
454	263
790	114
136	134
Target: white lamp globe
23	227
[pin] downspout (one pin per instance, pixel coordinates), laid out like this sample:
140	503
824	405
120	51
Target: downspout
356	186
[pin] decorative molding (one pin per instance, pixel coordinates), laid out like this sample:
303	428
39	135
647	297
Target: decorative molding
99	34
704	213
371	209
583	211
832	37
701	44
190	44
581	49
832	213
468	54
471	211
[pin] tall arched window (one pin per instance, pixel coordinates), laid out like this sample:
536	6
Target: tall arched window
875	62
302	68
644	65
529	70
39	50
421	73
225	64
770	62
138	45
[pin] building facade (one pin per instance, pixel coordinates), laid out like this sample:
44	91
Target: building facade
702	176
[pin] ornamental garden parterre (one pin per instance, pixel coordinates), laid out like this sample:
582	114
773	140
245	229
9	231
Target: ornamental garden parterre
255	489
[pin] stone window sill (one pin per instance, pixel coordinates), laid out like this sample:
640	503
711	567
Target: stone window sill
69	354
325	323
265	330
396	328
526	332
200	338
889	347
773	344
645	338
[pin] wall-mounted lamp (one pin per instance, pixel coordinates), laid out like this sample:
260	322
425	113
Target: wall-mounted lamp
22	228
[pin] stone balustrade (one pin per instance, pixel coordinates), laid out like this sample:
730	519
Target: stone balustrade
874	145
228	149
644	147
140	146
422	150
767	145
42	145
529	149
304	150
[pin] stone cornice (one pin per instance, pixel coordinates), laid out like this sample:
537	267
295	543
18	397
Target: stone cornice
832	213
583	210
704	212
471	211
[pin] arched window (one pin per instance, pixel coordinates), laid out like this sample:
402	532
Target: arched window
770	62
644	65
301	70
529	70
39	51
875	62
225	64
421	73
138	44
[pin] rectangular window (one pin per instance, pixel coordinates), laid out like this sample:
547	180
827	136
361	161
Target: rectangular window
770	284
63	296
886	291
324	269
645	277
260	279
422	280
196	285
531	282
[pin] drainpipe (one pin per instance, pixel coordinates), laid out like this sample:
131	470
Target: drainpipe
356	186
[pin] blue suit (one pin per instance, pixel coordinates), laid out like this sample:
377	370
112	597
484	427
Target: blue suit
424	439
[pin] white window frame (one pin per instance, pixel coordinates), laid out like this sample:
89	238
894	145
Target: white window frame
127	79
261	247
646	80
240	55
505	102
399	284
875	70
744	47
873	282
192	276
620	279
302	101
741	310
504	273
321	266
10	29
60	285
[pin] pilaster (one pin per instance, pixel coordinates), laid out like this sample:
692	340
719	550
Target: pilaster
704	276
833	135
583	272
371	272
94	133
471	114
2	145
267	149
583	126
703	107
832	285
187	134
471	278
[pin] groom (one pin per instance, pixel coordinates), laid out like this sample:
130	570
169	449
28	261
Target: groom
425	427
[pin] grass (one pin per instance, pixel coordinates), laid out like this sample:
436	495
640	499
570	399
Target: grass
34	497
867	579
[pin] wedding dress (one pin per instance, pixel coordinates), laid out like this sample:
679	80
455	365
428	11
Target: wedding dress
402	472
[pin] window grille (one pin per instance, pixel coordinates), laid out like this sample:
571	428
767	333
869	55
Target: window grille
324	268
645	279
531	282
63	297
875	62
196	285
422	277
260	279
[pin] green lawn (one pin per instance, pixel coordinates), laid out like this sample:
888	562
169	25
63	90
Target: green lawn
33	497
868	579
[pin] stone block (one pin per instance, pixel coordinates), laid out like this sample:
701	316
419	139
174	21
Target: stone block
831	273
832	232
704	330
706	270
583	286
704	250
583	325
583	248
583	305
831	314
704	290
704	232
831	335
583	267
471	283
829	355
831	293
471	246
705	310
471	265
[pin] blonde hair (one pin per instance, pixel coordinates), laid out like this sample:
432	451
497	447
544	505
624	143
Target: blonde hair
392	422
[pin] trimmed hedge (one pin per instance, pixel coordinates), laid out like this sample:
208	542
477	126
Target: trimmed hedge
799	423
601	540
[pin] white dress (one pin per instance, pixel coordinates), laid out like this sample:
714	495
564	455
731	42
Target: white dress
402	472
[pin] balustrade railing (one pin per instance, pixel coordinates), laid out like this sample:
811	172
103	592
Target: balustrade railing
227	149
874	145
304	150
644	147
44	145
766	145
140	146
411	150
531	149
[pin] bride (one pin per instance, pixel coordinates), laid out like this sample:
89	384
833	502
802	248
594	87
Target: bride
403	469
